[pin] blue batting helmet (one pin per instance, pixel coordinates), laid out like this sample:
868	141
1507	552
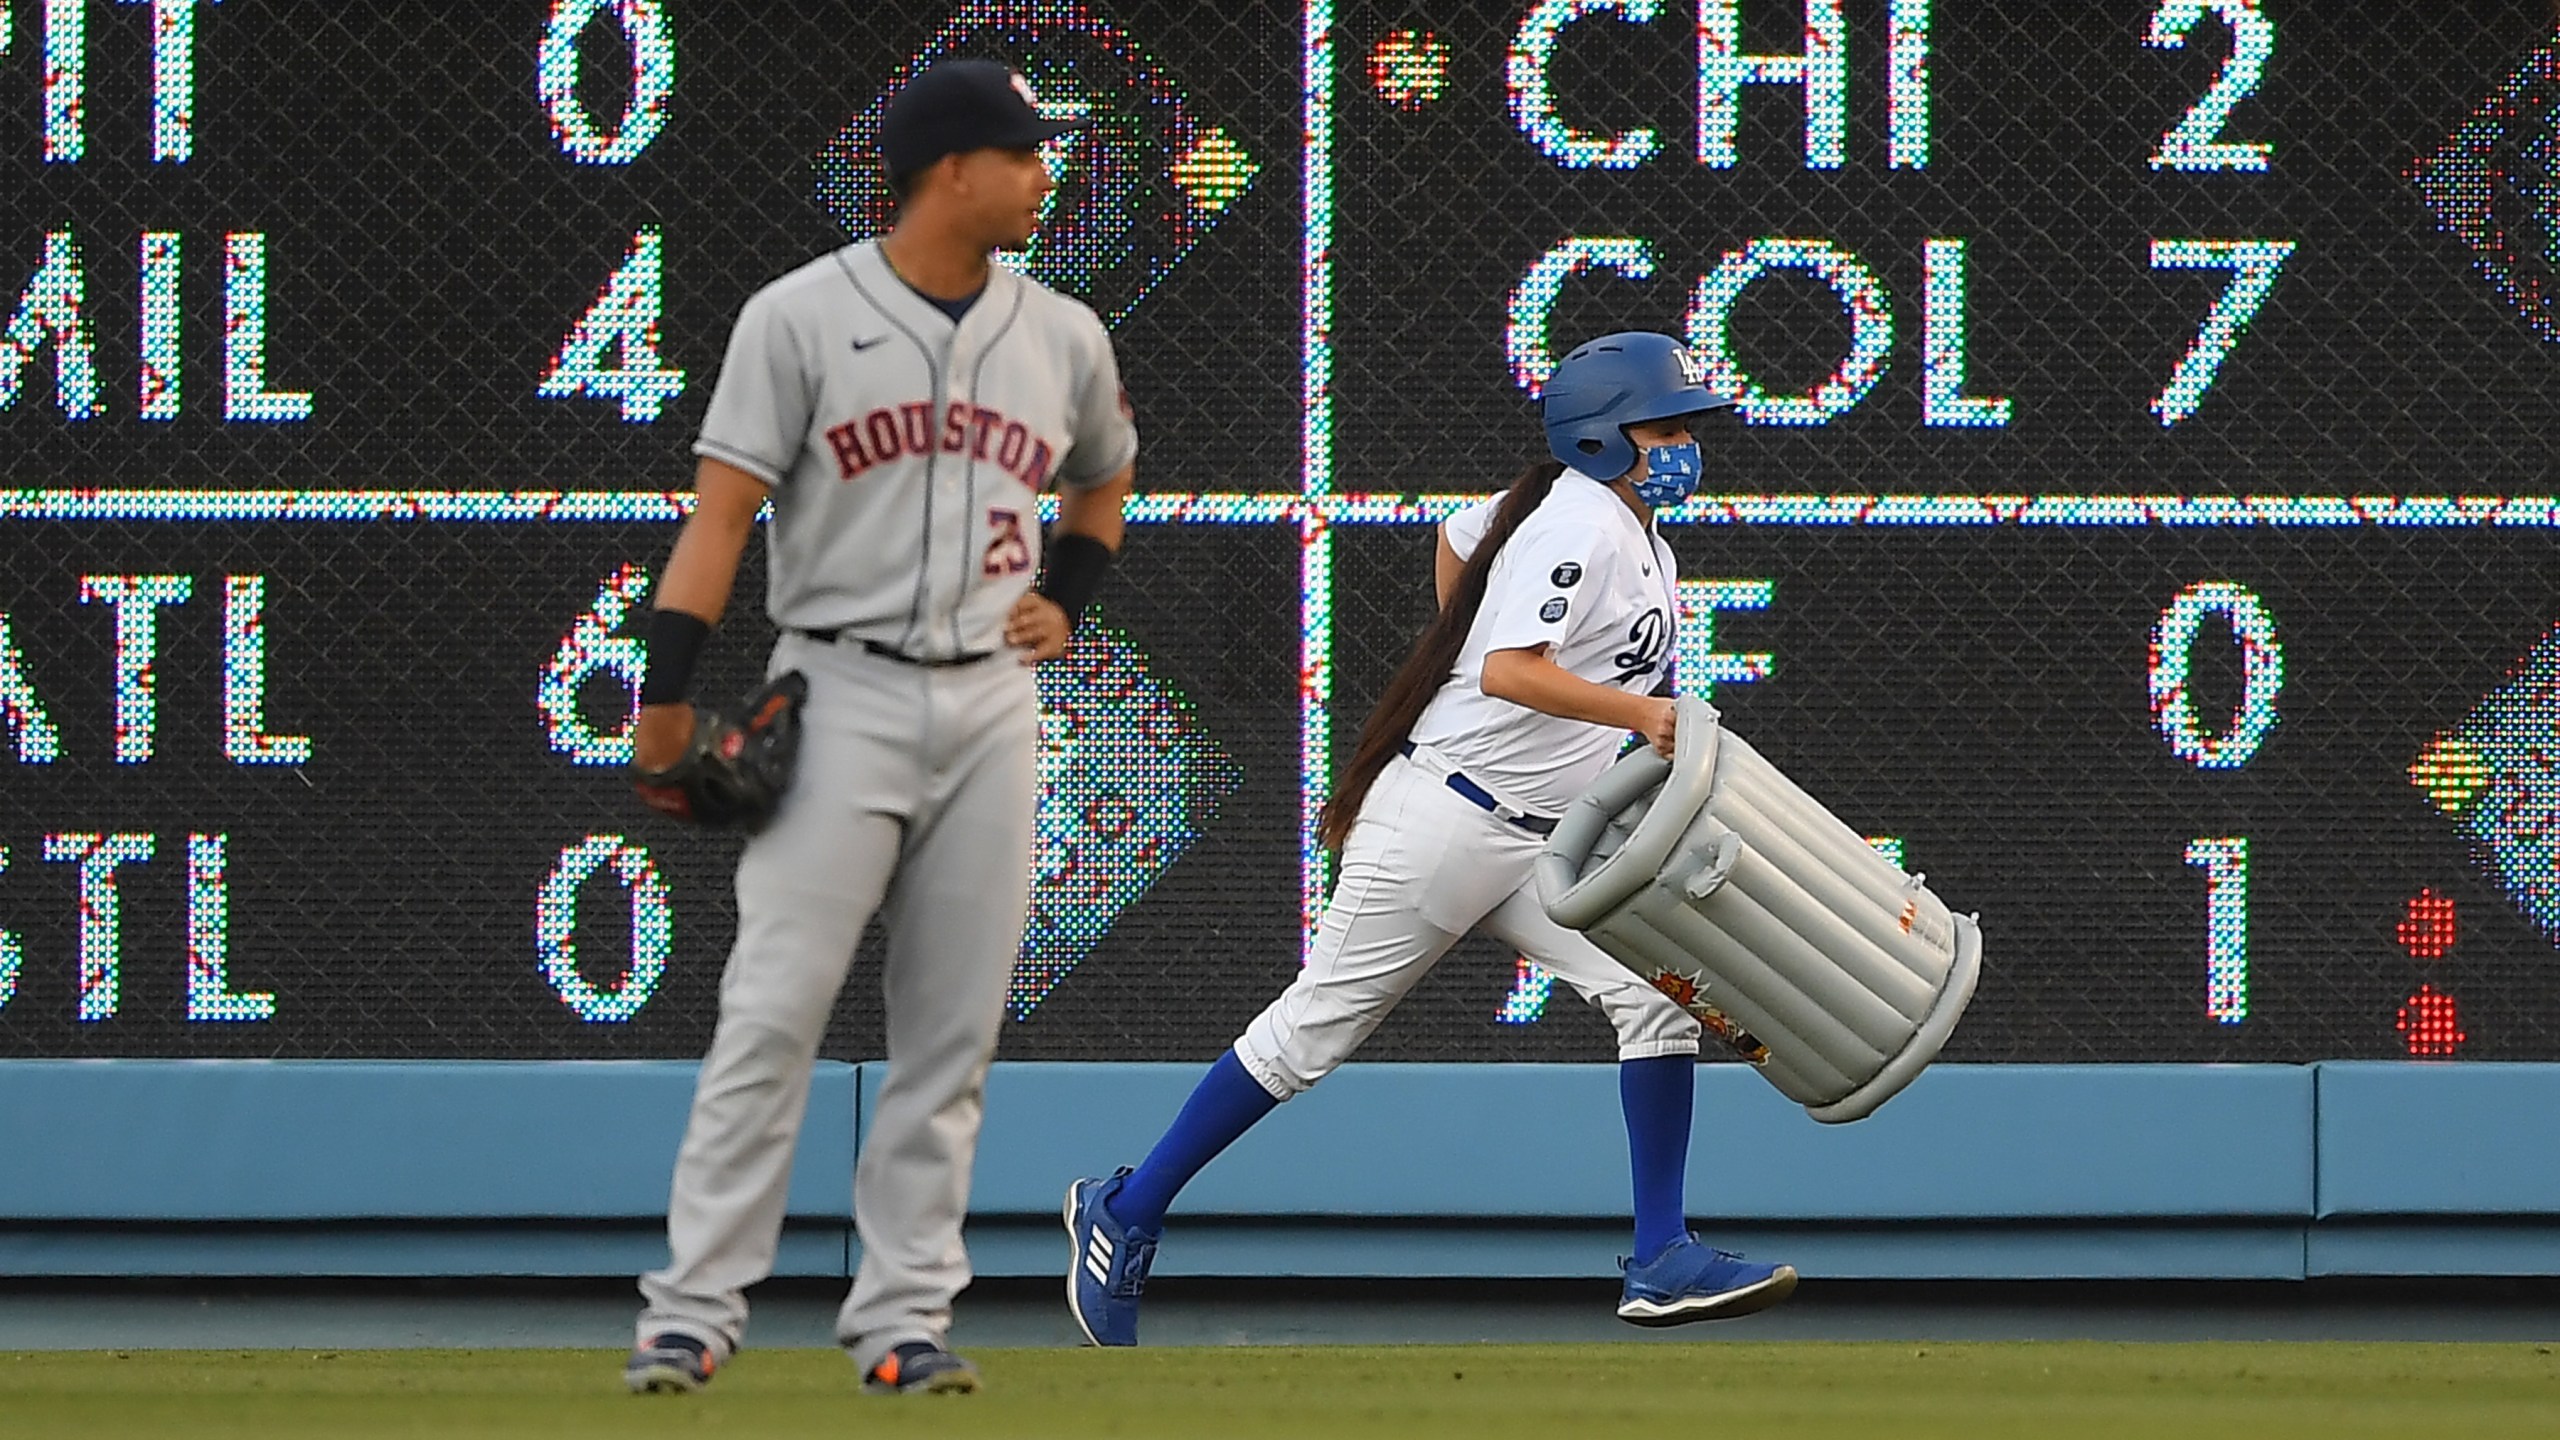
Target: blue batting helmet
1612	382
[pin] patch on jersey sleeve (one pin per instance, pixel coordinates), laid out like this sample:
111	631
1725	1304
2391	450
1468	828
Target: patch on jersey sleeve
1553	610
1567	575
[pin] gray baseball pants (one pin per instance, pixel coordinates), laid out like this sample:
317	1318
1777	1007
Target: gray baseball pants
914	788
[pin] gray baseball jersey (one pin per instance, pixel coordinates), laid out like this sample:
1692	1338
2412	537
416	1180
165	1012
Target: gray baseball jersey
905	451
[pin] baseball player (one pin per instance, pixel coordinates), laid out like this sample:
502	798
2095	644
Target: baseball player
1551	645
901	403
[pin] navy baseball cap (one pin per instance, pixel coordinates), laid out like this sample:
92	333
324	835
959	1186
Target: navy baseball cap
958	106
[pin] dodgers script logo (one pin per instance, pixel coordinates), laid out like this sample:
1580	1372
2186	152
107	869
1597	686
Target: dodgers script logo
1647	639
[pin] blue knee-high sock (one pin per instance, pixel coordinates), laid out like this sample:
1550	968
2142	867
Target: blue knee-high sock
1225	1104
1658	1094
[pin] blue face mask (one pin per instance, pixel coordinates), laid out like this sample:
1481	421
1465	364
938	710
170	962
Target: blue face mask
1670	474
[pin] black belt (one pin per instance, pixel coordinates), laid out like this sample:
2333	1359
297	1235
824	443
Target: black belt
833	633
1483	800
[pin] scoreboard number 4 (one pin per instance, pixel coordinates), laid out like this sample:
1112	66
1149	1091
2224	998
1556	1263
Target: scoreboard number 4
624	317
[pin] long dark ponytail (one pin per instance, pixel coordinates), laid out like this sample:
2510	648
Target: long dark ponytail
1434	656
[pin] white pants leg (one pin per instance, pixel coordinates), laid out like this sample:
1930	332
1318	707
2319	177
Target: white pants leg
1648	1022
1420	868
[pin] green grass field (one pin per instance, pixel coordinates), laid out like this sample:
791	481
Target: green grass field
1787	1392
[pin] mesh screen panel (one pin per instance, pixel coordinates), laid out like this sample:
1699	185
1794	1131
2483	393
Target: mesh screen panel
2141	509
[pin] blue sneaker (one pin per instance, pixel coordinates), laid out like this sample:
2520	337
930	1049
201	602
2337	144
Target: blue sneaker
1689	1281
1106	1263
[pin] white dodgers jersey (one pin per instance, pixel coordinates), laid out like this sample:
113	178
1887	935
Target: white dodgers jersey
906	452
1593	584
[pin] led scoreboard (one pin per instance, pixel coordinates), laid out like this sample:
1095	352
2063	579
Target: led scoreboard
2138	513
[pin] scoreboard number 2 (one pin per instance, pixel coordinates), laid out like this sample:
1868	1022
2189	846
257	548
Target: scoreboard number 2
2190	144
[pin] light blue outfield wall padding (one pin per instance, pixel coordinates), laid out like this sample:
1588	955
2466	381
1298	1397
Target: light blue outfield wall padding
1370	1140
2402	1138
2351	1247
2041	1142
626	1248
143	1167
351	1140
1964	1142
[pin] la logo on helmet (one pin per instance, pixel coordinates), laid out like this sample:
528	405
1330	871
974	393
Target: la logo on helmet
1692	374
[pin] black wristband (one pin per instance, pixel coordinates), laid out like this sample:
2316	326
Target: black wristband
1076	565
675	642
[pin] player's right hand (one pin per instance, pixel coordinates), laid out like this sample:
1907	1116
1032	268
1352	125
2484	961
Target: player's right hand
662	735
1662	717
1037	628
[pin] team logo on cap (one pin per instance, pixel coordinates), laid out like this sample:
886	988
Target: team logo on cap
1692	373
1022	88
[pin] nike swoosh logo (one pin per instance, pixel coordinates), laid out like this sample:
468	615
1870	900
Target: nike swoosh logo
861	345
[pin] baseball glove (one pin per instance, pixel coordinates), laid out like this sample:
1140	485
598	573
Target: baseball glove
734	771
